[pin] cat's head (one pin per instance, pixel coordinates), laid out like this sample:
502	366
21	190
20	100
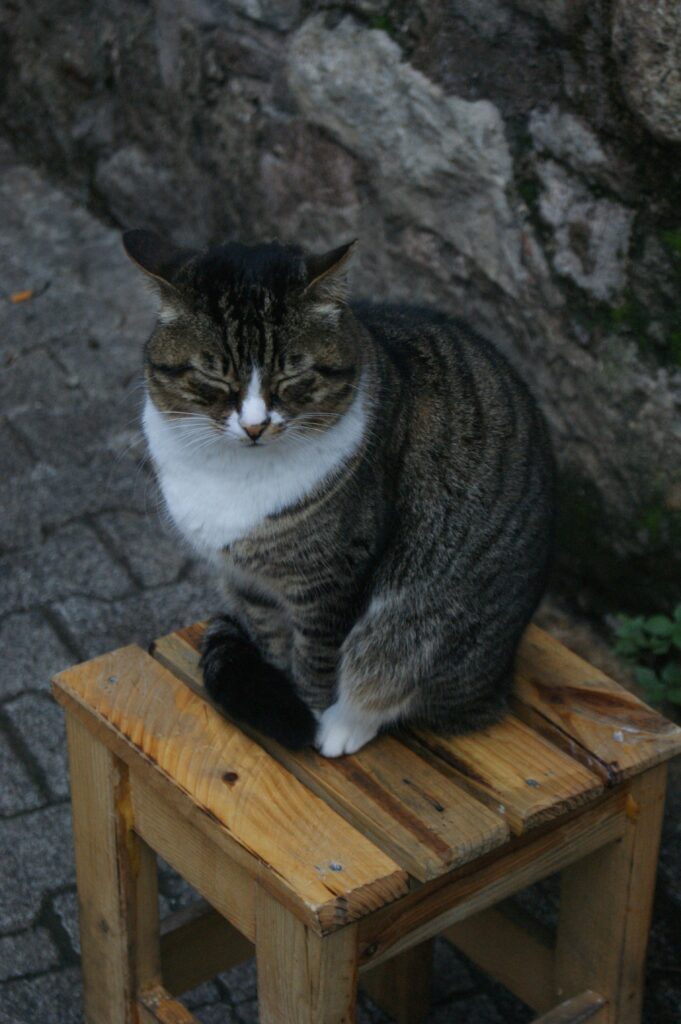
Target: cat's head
252	343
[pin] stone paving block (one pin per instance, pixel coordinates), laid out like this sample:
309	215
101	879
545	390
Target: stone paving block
84	284
19	522
450	973
28	952
241	982
203	995
55	495
670	851
54	998
99	626
15	458
76	431
472	1010
369	1013
154	552
18	791
106	358
30	383
39	721
220	1013
65	906
6	1019
31	653
245	1013
71	561
174	891
35	856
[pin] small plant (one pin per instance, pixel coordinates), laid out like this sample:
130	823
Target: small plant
653	646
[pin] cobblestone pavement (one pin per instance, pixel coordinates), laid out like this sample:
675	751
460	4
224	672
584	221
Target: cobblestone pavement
86	565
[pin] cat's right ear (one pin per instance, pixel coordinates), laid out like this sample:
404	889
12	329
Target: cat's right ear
160	260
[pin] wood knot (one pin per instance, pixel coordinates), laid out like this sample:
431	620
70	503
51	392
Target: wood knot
230	777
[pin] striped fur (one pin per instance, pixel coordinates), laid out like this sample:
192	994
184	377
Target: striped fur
395	586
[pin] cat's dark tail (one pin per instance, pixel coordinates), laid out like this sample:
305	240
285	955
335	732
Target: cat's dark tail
250	690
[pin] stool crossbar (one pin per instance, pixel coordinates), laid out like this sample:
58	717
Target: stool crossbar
334	872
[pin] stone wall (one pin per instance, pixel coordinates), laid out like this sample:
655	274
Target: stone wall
518	163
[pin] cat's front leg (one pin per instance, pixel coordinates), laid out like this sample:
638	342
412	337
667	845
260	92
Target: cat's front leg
375	684
344	728
250	689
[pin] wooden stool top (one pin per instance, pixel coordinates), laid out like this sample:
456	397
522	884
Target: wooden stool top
337	839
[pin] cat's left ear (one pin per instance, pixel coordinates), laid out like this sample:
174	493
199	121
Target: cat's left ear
161	261
158	258
327	284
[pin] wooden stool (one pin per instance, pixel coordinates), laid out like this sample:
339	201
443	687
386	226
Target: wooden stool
327	869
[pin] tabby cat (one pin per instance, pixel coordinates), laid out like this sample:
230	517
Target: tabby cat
374	483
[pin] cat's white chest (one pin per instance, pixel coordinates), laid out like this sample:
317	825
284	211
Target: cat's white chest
218	492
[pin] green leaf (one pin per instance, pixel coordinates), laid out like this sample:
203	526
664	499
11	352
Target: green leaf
659	625
628	626
676	638
671	674
646	677
626	649
677	613
659	644
674	696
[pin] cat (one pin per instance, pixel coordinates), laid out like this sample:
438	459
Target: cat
375	484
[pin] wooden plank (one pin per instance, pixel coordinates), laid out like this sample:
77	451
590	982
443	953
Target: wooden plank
160	726
573	1011
410	809
303	978
199	855
196	944
432	907
512	948
156	1006
406	806
513	770
585	712
116	874
606	907
401	986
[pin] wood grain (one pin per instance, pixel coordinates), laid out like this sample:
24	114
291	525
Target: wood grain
155	721
196	944
579	708
512	948
116	874
586	1006
606	906
514	771
401	986
429	909
302	978
156	1006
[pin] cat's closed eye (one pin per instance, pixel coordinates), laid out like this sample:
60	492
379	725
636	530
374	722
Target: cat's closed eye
209	393
297	389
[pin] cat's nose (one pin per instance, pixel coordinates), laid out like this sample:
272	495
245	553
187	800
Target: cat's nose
254	430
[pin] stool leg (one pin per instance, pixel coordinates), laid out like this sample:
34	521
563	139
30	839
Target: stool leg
606	907
303	978
401	985
117	885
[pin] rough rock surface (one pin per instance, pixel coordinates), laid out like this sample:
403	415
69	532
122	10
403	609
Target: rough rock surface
510	161
647	43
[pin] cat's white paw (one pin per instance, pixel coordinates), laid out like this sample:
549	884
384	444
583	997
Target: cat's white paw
342	730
